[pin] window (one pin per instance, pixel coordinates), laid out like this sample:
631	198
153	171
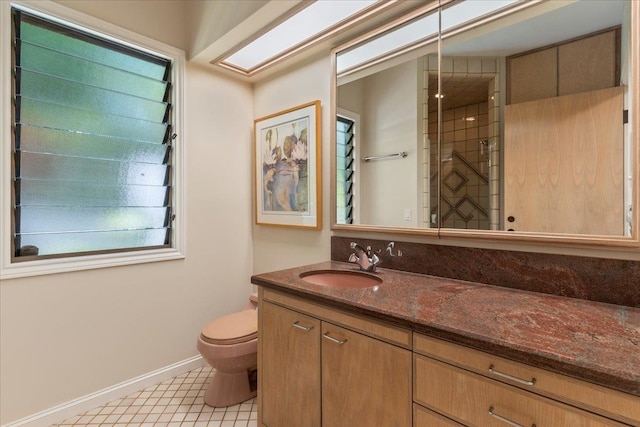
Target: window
345	169
93	145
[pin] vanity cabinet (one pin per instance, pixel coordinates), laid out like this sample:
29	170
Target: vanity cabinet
321	366
476	389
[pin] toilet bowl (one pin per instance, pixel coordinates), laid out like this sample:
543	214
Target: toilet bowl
230	345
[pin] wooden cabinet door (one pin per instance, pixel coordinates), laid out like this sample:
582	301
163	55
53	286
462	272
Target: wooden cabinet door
365	382
290	368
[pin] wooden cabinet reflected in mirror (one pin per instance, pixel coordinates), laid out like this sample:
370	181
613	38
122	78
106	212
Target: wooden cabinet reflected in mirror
564	142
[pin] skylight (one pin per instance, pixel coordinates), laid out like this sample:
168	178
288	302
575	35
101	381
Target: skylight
308	24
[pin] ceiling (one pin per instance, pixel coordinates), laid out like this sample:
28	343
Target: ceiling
460	90
239	22
553	22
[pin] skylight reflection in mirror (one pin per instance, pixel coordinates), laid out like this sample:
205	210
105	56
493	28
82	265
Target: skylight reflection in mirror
468	10
407	35
419	30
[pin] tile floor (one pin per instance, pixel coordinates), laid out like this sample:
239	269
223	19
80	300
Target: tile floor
177	402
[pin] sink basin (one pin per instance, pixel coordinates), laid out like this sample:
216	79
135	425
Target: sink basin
341	279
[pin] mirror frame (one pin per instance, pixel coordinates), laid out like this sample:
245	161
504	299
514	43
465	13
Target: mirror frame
445	235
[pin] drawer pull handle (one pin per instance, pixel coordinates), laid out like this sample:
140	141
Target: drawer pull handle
511	377
505	420
304	328
335	340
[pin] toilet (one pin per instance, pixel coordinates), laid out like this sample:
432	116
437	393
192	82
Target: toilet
230	345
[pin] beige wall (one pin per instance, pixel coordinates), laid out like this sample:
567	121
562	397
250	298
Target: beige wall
276	247
165	21
64	336
389	125
388	107
228	16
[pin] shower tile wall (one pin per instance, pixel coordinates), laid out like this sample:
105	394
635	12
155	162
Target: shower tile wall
470	149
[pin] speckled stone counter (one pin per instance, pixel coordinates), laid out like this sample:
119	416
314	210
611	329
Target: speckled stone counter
593	341
613	281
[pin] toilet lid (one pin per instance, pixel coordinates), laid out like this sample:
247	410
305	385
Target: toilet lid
232	329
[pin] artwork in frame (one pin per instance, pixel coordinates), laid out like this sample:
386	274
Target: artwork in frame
287	163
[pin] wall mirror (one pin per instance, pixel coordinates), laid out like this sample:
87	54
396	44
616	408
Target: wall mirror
505	119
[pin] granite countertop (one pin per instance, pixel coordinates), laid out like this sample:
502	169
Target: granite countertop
593	341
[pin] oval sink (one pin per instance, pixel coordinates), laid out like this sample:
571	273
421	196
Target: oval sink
341	279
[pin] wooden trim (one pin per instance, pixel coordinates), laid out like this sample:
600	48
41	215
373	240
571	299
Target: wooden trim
635	116
446	235
333	113
433	232
317	114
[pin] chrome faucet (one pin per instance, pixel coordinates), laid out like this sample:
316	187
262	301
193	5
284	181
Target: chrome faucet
363	258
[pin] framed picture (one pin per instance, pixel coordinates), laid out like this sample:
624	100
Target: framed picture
287	163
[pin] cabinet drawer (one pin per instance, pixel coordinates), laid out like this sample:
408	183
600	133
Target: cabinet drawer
478	401
385	332
611	403
423	417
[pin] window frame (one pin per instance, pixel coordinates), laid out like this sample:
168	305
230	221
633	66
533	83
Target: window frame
57	13
355	118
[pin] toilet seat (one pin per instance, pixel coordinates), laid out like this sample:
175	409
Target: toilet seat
231	329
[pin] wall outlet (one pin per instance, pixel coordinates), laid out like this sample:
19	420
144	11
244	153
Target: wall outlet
407	214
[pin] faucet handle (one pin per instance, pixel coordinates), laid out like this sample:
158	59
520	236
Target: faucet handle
375	260
390	247
355	245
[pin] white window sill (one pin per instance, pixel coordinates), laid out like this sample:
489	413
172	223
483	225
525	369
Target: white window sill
62	265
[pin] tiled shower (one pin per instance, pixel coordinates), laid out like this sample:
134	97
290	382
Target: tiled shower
470	143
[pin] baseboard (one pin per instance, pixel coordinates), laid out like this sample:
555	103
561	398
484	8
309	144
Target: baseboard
75	407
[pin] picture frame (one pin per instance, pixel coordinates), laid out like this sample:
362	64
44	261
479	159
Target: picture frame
287	168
